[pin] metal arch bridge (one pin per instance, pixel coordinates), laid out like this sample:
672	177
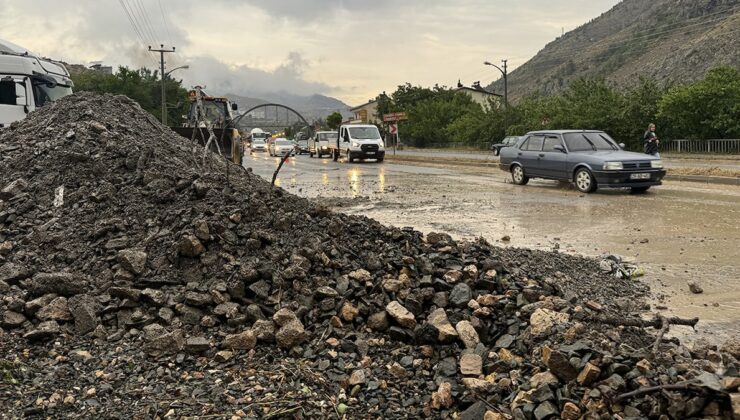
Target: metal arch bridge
269	122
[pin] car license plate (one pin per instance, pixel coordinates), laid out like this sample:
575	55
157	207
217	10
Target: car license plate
640	176
370	153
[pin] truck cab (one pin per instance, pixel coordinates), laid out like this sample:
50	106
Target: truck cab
28	82
358	141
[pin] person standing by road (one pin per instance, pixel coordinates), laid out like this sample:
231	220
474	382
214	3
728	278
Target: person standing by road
650	139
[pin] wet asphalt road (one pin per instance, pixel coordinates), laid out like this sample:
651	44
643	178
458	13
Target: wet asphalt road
678	232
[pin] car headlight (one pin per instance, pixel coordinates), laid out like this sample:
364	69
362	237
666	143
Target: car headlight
355	144
656	164
613	166
323	147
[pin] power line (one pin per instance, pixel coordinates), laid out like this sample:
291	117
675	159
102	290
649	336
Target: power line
144	23
136	29
164	22
136	13
148	21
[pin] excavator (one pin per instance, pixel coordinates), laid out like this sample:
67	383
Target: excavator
214	114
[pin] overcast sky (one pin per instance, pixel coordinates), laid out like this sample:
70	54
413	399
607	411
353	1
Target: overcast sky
349	49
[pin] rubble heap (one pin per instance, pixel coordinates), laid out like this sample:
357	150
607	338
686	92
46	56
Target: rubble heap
138	279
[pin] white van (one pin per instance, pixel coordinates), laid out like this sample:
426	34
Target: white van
319	143
358	141
28	82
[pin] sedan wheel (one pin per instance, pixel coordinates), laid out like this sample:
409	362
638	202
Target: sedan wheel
496	152
517	175
585	182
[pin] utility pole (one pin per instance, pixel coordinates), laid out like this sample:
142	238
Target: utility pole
506	84
161	52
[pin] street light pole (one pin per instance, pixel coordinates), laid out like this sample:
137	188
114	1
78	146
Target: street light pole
161	52
177	68
505	73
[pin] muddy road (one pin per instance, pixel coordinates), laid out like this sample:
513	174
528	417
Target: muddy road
679	232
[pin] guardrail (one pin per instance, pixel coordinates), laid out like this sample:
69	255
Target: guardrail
724	146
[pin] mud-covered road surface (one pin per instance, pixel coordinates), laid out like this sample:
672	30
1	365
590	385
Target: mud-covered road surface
679	232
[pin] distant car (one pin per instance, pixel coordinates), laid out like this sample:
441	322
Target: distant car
302	146
506	142
588	158
281	146
258	145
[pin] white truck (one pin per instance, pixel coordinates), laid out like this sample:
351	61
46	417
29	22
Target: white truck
358	141
319	143
28	81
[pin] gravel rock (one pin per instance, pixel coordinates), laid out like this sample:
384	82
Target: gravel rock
245	340
543	320
402	315
695	288
290	334
13	319
442	398
133	260
45	331
445	332
378	321
467	334
197	344
460	295
65	284
56	310
160	342
471	364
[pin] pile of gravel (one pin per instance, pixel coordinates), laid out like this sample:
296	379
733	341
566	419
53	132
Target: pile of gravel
140	279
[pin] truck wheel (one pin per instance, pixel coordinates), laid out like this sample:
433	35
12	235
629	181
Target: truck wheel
349	156
380	160
335	155
310	153
496	151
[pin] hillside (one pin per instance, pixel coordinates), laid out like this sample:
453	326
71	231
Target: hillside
668	40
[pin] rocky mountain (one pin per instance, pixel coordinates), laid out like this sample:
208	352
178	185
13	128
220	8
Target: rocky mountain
668	40
311	107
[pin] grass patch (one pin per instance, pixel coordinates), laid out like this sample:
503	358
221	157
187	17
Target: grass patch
9	371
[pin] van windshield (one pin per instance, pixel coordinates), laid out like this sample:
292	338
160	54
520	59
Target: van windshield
364	133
